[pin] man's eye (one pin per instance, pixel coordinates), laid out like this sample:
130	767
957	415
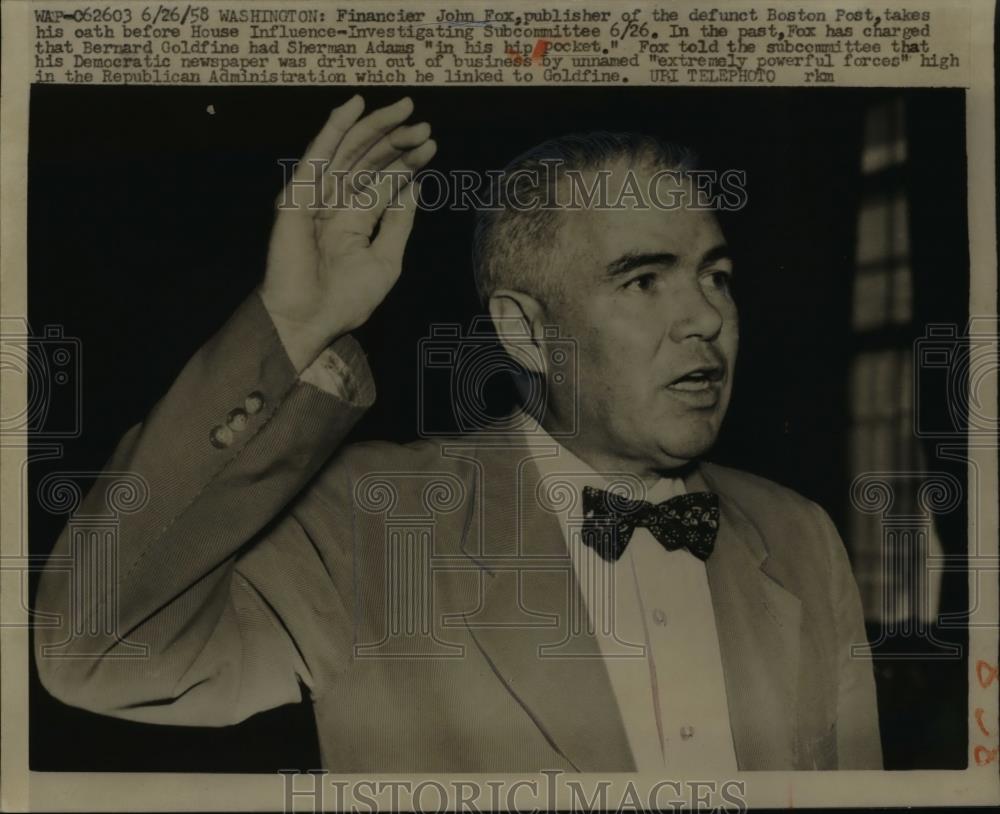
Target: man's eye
722	280
644	282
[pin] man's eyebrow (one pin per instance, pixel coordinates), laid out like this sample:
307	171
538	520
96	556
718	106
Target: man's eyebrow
720	252
630	261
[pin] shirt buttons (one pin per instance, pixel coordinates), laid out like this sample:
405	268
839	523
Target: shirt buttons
221	437
659	616
237	420
687	732
254	403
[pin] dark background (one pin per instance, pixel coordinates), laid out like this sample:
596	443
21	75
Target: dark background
148	223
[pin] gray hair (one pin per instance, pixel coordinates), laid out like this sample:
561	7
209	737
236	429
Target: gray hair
509	241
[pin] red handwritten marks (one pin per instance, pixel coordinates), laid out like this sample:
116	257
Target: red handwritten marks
979	721
984	756
540	48
986	675
537	53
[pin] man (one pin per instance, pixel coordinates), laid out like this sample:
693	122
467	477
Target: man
578	591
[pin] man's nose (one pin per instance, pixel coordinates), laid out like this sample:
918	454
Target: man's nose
694	315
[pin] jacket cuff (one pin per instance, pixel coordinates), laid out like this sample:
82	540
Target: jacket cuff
342	371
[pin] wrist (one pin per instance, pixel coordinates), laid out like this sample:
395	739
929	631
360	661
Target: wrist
302	338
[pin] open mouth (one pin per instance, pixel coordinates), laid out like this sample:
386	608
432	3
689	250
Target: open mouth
698	380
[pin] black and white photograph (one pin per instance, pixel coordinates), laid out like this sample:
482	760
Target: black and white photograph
474	429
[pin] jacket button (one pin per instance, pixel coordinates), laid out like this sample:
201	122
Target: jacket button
687	732
237	420
254	403
221	437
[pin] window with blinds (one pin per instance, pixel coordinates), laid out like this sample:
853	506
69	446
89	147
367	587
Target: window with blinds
891	533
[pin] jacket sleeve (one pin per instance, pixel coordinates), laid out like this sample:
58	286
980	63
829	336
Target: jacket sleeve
159	622
859	744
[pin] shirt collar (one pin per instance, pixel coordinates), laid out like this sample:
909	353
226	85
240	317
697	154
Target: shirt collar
553	459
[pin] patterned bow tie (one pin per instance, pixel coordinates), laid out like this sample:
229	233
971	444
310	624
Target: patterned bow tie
686	521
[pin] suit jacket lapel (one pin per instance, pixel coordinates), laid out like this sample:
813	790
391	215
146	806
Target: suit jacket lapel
758	623
531	624
528	624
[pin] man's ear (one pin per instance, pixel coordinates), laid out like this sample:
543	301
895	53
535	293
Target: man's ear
519	322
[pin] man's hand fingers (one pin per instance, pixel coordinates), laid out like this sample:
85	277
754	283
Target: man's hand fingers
381	188
390	147
367	132
396	225
310	168
342	119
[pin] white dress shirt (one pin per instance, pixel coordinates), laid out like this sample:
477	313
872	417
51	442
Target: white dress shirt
651	613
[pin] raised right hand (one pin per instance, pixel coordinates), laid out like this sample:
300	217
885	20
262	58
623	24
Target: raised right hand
325	275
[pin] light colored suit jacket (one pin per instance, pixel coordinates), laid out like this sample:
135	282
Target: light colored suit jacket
420	594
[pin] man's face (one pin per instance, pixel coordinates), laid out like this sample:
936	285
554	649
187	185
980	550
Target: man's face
646	295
